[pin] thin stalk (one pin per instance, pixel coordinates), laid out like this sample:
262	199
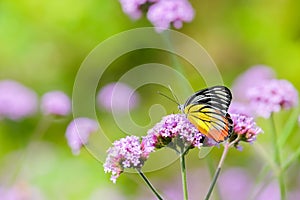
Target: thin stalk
211	168
295	155
217	173
278	159
215	178
183	177
288	128
155	192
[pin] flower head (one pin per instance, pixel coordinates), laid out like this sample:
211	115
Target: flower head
78	132
125	153
132	7
272	96
174	130
165	12
252	77
245	128
16	100
117	96
55	103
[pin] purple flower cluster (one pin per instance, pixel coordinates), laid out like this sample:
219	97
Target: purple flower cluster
16	100
55	103
78	132
258	93
125	153
161	13
131	152
133	7
252	77
174	130
166	12
272	96
245	128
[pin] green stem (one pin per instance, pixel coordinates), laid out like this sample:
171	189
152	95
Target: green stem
278	159
215	178
211	168
183	177
295	155
288	128
217	173
149	184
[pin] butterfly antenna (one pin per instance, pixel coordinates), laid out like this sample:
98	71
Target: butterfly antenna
175	97
168	97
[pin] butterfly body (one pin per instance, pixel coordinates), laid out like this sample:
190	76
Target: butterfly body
207	111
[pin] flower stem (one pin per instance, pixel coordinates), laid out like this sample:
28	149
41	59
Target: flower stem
217	173
213	183
278	159
211	168
183	177
149	184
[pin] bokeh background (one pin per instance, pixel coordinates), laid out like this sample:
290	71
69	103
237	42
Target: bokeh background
42	45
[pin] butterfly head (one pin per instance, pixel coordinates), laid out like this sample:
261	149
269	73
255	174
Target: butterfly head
181	107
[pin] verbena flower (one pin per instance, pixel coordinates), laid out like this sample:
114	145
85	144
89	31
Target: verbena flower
132	7
241	108
272	96
56	103
117	96
78	132
245	128
166	12
125	153
174	131
16	100
252	77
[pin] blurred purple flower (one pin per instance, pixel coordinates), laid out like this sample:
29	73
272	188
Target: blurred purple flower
244	127
272	96
174	129
240	108
16	100
164	12
235	183
125	153
294	194
21	191
117	96
252	77
78	132
272	191
132	7
55	103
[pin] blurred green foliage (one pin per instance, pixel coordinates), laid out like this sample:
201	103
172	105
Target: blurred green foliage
43	43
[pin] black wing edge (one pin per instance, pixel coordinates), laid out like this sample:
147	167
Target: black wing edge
219	94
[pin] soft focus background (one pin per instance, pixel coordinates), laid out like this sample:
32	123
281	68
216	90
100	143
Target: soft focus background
42	45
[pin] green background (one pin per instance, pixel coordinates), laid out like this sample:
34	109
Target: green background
43	43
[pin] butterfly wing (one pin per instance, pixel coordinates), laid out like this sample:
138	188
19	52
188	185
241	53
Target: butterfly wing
207	110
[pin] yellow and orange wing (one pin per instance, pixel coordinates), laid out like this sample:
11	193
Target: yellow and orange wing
207	110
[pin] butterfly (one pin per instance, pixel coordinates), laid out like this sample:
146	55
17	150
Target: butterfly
207	111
